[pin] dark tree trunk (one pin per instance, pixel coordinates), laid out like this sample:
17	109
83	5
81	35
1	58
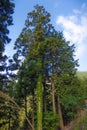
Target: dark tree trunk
53	97
44	100
60	114
25	99
9	122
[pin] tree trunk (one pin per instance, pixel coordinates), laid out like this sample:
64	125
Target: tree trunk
39	102
53	97
25	105
9	122
33	114
45	105
60	114
44	100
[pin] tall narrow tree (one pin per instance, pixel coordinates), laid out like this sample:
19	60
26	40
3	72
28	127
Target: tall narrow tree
30	45
41	44
6	11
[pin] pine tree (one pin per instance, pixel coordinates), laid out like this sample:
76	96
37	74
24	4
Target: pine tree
6	11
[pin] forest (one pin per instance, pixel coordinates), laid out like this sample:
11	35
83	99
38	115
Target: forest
40	87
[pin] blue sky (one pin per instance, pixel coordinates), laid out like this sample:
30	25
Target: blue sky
69	16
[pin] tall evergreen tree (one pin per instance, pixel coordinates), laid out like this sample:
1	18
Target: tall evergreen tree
6	11
30	45
48	58
61	66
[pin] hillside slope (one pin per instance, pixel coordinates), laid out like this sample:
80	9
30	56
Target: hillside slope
82	74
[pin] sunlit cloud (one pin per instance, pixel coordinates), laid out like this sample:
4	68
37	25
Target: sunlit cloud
75	29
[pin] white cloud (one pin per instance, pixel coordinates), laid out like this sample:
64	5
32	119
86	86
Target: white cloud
75	29
80	51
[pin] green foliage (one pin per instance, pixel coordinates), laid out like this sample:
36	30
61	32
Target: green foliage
6	11
43	58
9	115
50	121
47	54
6	112
81	123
